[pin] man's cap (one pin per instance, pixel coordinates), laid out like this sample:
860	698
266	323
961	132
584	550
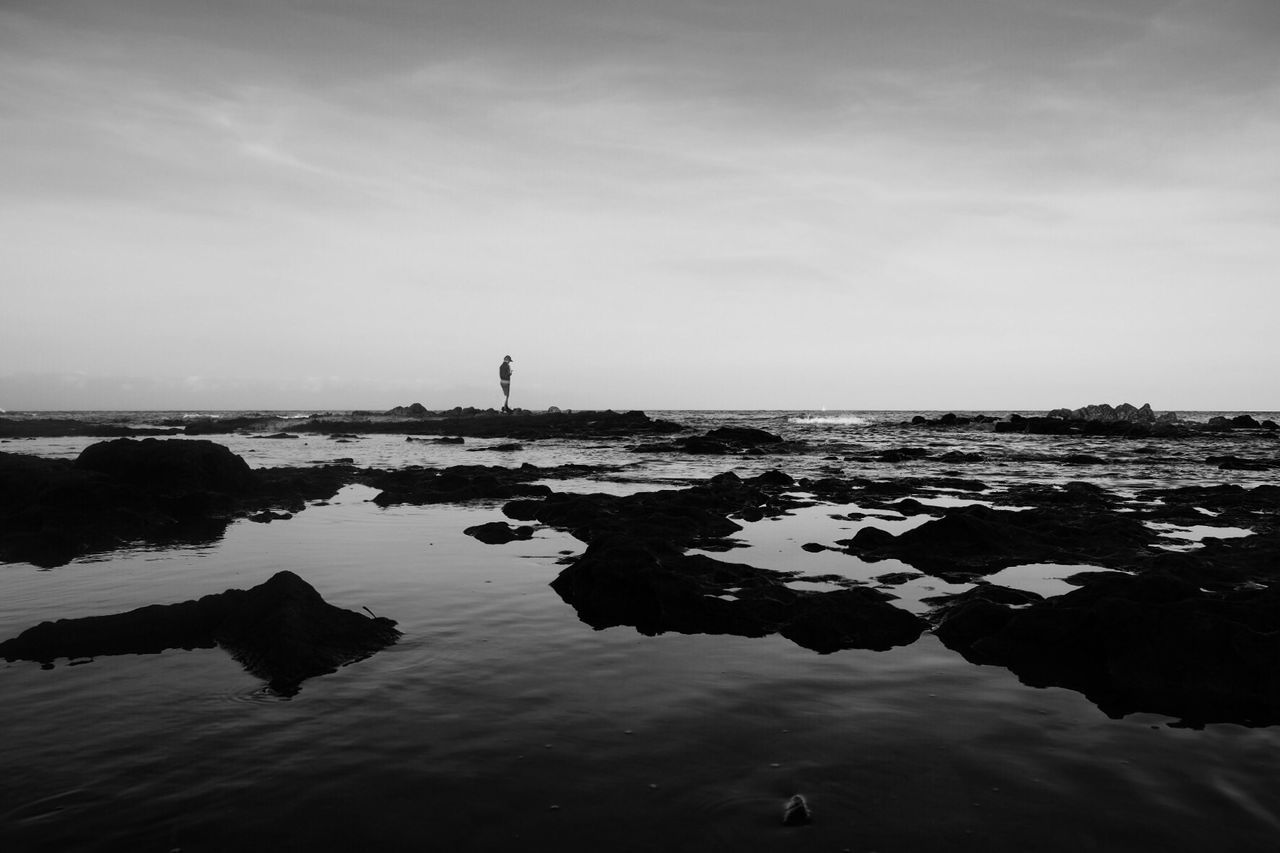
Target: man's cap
508	358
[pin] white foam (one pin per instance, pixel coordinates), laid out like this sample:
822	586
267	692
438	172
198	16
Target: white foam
844	420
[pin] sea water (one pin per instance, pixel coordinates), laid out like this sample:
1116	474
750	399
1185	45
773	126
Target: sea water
501	721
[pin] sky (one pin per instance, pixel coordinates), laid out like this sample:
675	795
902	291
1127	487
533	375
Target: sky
649	204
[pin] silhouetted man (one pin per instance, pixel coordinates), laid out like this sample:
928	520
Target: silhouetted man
504	379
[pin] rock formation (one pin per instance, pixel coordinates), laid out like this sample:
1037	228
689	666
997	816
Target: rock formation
282	631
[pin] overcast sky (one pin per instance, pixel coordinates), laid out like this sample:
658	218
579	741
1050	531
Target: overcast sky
849	204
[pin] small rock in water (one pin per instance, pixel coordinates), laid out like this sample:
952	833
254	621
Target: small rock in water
796	812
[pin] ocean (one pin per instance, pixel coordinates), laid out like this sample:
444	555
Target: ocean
501	721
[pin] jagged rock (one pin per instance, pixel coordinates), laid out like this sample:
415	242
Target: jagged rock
281	631
413	410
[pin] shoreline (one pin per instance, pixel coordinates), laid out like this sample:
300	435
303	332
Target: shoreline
1189	632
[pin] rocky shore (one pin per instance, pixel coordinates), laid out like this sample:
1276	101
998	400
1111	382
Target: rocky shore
1190	633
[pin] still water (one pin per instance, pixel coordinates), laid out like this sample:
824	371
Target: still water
499	721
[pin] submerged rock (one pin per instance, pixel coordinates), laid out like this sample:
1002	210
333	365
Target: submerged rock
282	631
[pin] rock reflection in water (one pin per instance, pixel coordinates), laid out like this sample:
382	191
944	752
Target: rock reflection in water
281	631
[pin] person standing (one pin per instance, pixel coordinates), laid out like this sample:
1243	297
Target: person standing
504	379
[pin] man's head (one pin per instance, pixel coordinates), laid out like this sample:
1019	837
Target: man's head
506	358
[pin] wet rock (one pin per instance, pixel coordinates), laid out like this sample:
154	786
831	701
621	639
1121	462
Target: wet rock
169	463
1235	463
1150	642
162	492
859	618
499	532
58	427
961	456
977	540
743	436
462	483
412	410
902	454
911	506
655	588
267	516
896	578
796	812
282	631
1083	459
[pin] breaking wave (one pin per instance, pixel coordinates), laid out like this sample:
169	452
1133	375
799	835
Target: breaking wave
842	420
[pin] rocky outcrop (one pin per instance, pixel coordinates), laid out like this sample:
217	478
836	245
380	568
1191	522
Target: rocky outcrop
415	410
1106	413
170	465
655	588
282	631
636	570
724	441
470	422
973	541
462	483
158	491
60	427
1150	643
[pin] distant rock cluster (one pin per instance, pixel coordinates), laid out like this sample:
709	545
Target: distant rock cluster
1101	419
1123	413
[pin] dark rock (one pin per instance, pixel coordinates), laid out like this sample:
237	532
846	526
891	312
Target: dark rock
902	454
267	516
1245	422
869	539
706	446
911	506
1235	463
1083	459
161	492
858	618
413	410
743	436
171	463
499	532
775	479
977	540
653	587
961	456
896	578
281	631
1150	643
59	427
796	812
463	483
